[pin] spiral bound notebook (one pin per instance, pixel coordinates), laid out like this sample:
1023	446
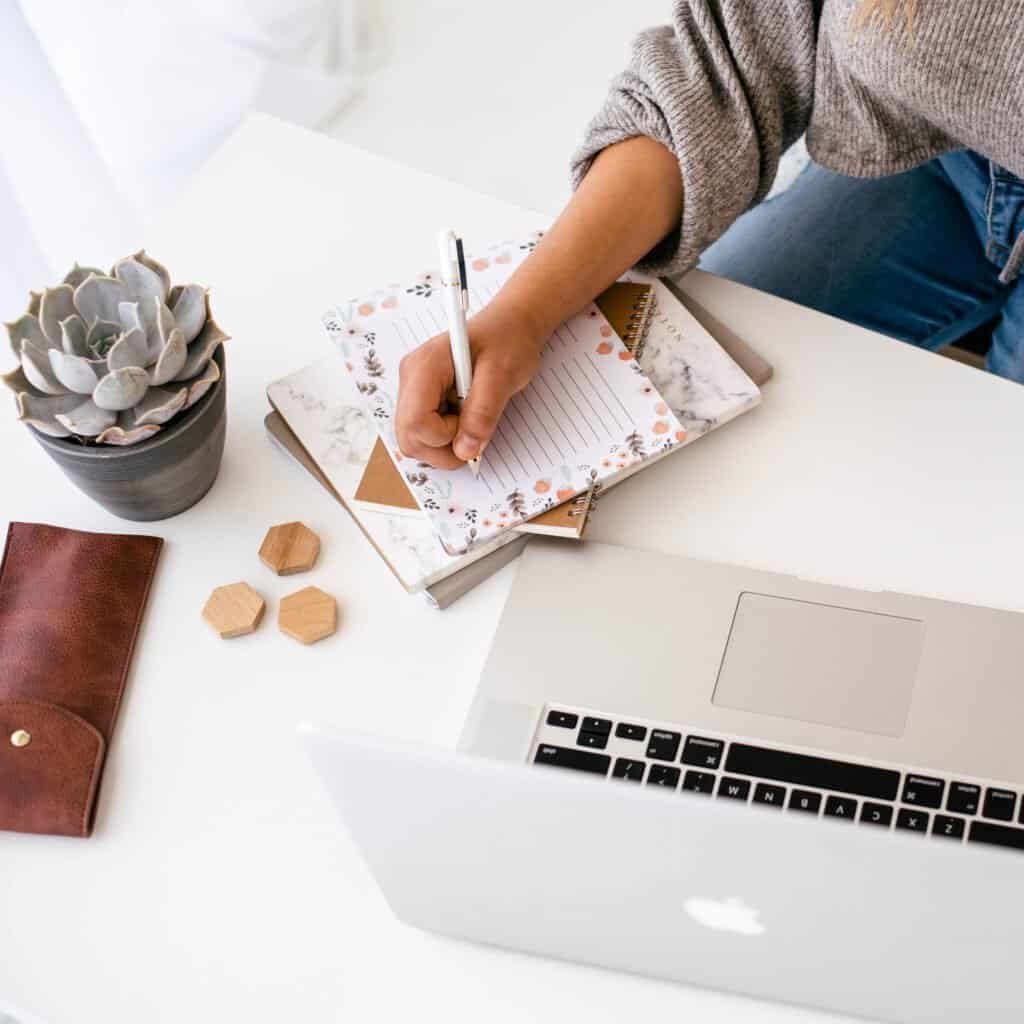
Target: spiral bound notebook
706	380
628	306
590	416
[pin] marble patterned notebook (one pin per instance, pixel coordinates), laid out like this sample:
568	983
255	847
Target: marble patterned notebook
591	416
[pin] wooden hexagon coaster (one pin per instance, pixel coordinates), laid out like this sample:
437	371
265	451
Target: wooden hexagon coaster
308	615
234	610
289	548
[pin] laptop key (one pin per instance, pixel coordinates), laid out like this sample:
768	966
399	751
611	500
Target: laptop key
964	798
563	719
912	820
875	814
804	800
596	740
631	771
663	775
999	804
734	789
945	825
601	725
705	753
699	782
625	731
996	835
923	791
663	745
566	757
769	796
842	807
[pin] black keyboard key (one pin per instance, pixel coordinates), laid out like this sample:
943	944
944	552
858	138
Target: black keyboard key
632	771
663	775
703	752
999	804
923	791
563	719
594	740
566	757
734	789
625	731
944	825
599	725
663	745
699	782
803	800
769	796
842	807
964	798
819	772
912	820
996	835
875	814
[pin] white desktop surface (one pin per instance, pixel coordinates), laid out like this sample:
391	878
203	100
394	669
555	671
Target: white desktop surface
219	885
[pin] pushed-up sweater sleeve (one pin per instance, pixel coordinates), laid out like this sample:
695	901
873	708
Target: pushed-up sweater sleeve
728	87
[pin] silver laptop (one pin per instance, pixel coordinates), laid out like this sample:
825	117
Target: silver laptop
722	776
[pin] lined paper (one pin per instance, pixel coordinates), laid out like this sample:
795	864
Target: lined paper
589	413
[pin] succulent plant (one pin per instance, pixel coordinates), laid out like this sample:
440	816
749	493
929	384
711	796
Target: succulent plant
110	359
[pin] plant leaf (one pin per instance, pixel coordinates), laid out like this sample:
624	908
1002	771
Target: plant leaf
26	327
76	275
87	419
171	359
36	365
128	350
198	386
142	282
159	405
73	335
57	304
157	267
75	372
121	389
41	412
189	309
121	434
98	297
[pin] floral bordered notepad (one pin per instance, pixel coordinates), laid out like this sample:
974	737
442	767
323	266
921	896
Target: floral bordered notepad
590	414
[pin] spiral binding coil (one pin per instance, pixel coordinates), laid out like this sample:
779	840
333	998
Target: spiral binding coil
579	504
640	324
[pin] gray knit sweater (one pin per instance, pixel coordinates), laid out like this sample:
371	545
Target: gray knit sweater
732	83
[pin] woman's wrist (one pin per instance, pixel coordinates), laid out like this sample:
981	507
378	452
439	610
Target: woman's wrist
504	316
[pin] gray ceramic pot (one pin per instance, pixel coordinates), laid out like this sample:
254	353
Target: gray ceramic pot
157	478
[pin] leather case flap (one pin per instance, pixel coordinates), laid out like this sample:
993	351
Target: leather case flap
50	765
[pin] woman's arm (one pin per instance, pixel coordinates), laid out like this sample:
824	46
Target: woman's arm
629	201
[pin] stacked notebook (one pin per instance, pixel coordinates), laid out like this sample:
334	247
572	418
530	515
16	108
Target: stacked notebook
627	381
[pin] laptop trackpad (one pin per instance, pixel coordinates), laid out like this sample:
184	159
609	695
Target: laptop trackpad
820	663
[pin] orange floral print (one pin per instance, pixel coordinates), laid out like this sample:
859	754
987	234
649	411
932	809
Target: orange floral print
480	264
606	331
364	308
542	486
661	427
661	409
565	493
680	435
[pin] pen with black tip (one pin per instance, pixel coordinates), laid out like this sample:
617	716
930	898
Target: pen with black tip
456	297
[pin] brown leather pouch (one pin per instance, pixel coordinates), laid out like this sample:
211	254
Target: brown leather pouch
70	608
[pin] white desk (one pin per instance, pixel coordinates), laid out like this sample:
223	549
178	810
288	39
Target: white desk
219	886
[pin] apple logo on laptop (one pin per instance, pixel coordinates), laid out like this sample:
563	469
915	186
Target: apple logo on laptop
725	916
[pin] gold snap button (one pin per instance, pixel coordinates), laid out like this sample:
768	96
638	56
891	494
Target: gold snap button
20	738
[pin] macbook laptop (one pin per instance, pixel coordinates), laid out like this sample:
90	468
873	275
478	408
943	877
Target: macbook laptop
723	776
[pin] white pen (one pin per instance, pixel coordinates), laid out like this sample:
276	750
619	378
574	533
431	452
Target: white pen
456	297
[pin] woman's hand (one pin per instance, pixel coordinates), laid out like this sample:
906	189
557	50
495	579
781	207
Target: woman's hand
506	353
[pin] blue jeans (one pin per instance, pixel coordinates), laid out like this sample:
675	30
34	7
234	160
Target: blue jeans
925	256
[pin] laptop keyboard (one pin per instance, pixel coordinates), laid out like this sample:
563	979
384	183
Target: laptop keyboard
727	768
